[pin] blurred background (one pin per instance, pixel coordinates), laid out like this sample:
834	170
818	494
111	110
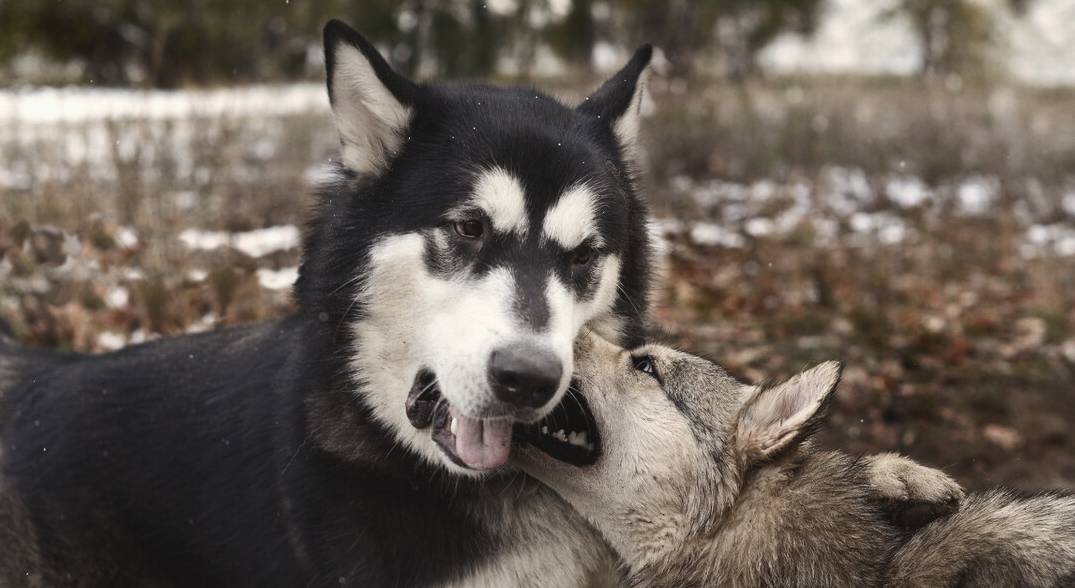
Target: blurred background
886	182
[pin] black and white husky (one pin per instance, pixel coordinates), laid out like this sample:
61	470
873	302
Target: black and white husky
467	235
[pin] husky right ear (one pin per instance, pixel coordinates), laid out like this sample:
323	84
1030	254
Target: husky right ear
780	417
618	102
371	103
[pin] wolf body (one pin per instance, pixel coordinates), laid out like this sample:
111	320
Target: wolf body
706	481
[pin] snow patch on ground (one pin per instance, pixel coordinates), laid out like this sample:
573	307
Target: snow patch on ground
126	237
278	279
711	234
254	243
110	341
79	104
1045	239
1068	203
205	323
117	297
889	228
759	227
843	201
976	195
907	192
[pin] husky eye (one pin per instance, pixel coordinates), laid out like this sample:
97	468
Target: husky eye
646	364
469	229
583	255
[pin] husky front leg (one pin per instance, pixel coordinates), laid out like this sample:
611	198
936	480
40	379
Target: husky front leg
913	494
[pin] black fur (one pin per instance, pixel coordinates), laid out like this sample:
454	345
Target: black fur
188	461
243	457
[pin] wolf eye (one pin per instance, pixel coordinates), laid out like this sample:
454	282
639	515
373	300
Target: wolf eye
469	229
646	364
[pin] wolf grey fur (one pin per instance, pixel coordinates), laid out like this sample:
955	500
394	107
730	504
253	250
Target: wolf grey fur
707	481
997	539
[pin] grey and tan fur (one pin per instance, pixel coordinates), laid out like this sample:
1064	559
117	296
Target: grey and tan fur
706	481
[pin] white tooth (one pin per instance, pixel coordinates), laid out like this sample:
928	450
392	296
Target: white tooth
578	438
544	429
452	426
560	435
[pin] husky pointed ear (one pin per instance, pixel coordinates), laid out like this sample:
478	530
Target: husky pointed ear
371	103
618	101
780	417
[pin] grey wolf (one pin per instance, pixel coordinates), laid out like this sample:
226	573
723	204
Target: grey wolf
707	481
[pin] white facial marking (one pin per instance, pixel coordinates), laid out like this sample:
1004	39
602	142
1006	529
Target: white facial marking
383	358
573	219
501	196
459	333
608	283
568	315
369	118
415	320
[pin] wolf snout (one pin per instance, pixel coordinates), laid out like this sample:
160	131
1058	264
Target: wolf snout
524	374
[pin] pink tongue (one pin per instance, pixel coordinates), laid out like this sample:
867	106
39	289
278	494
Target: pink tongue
482	444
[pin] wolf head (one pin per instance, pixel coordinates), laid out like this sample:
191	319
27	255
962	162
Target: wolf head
468	234
678	436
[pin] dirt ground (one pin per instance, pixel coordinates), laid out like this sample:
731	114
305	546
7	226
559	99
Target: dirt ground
956	377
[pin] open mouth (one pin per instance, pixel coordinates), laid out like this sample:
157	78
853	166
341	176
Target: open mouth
568	433
478	444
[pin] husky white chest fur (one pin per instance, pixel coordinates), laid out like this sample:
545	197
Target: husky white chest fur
466	237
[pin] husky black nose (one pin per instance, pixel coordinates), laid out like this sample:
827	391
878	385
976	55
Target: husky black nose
524	375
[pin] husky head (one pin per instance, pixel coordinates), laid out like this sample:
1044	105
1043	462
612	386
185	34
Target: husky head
468	234
678	435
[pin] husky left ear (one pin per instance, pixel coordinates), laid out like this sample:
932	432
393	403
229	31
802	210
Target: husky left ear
372	104
780	417
618	101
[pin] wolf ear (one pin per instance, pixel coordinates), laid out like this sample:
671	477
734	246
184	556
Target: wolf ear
618	101
782	416
371	103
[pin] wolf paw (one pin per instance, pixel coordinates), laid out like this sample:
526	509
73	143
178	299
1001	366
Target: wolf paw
913	494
